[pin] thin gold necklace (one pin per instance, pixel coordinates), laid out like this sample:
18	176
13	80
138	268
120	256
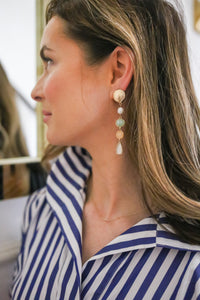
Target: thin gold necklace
116	218
99	214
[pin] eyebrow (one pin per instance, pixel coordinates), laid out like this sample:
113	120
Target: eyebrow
44	48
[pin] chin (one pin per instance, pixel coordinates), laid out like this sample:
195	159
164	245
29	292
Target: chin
58	138
54	140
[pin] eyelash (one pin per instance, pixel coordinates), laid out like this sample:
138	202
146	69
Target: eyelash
47	60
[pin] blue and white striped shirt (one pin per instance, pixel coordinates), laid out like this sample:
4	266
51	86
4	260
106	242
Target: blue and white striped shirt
145	262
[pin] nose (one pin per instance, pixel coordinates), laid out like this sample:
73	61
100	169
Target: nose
37	92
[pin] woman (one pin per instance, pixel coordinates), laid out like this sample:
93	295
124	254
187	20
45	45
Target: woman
113	225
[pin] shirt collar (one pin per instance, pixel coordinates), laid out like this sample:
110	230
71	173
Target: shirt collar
66	195
66	186
148	233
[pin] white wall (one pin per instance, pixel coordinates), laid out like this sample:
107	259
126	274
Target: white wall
18	56
193	44
17	38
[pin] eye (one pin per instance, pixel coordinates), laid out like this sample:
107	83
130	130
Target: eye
47	61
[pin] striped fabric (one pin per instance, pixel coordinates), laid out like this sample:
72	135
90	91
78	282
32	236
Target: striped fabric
145	262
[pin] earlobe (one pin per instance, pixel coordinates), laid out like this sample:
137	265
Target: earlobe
122	68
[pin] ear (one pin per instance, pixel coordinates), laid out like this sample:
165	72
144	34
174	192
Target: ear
122	66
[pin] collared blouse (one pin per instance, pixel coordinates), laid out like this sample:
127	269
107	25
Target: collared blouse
147	261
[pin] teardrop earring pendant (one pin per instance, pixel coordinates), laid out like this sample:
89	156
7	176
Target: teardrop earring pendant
119	96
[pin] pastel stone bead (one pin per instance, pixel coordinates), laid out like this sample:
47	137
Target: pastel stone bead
120	123
120	110
119	134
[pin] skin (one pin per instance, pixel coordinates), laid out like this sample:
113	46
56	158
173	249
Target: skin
78	108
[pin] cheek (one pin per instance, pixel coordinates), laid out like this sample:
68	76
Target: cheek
96	98
96	91
62	84
51	87
64	99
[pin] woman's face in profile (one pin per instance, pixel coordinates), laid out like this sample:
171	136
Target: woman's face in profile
71	92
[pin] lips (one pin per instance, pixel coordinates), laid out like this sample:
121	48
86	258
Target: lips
46	115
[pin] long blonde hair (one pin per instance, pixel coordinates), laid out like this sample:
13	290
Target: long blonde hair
12	142
161	110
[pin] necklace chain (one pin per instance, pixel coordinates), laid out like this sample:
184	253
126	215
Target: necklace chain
116	218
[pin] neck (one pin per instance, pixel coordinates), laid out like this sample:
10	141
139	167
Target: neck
114	188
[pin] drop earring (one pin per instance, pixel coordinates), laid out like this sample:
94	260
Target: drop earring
119	96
